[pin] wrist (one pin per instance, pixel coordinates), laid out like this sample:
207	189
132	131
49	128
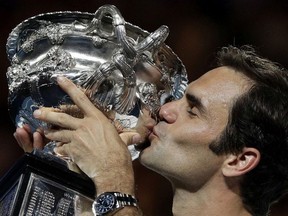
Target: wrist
122	182
108	203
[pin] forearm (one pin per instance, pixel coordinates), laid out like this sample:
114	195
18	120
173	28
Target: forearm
120	180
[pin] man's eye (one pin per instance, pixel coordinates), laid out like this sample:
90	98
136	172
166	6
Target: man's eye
190	111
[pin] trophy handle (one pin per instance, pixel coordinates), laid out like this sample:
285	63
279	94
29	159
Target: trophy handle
126	58
153	40
118	30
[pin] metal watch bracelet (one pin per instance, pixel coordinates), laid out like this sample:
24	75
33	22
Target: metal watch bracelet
109	203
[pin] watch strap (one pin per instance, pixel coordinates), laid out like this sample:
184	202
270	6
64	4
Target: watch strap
125	199
121	200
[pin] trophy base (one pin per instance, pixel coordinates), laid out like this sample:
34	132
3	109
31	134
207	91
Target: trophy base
39	185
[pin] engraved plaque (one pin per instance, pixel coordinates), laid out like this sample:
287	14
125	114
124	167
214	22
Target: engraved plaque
35	187
45	197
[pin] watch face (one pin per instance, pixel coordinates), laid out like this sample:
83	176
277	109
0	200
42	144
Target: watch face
105	203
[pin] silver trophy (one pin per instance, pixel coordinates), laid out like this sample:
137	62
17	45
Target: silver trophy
121	67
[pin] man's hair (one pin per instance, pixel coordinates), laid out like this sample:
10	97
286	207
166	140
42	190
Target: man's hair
258	119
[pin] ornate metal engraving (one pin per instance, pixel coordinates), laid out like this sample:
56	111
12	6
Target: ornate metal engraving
118	64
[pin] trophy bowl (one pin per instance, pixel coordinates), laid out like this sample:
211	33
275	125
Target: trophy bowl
120	66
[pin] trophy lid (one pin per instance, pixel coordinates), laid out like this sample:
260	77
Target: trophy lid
116	62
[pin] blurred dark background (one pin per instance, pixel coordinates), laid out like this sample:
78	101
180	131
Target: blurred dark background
198	28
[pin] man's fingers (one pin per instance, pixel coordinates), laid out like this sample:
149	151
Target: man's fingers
27	128
61	151
24	139
60	119
78	96
62	136
130	138
72	110
18	140
38	141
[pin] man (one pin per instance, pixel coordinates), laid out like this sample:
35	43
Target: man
223	146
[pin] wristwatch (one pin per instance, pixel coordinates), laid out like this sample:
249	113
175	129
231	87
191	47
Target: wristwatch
109	202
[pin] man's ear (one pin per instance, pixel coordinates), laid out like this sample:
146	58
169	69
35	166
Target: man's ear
236	165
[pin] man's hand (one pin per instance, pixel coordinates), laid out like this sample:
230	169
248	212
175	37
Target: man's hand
28	141
92	142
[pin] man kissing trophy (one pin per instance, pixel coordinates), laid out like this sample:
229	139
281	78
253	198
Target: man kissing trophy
122	69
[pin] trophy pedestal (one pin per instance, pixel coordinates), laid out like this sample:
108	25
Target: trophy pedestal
39	185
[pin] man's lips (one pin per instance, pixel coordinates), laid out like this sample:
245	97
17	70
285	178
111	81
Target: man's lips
147	142
150	132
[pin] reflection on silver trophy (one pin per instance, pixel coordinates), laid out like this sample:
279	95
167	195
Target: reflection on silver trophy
122	67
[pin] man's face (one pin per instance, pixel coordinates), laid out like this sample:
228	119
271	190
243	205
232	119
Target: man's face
180	141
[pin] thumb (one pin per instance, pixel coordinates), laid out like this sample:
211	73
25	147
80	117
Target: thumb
60	151
130	138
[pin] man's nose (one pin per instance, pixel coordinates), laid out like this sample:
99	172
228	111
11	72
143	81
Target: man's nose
168	112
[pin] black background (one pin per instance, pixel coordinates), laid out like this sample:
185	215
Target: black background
197	29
